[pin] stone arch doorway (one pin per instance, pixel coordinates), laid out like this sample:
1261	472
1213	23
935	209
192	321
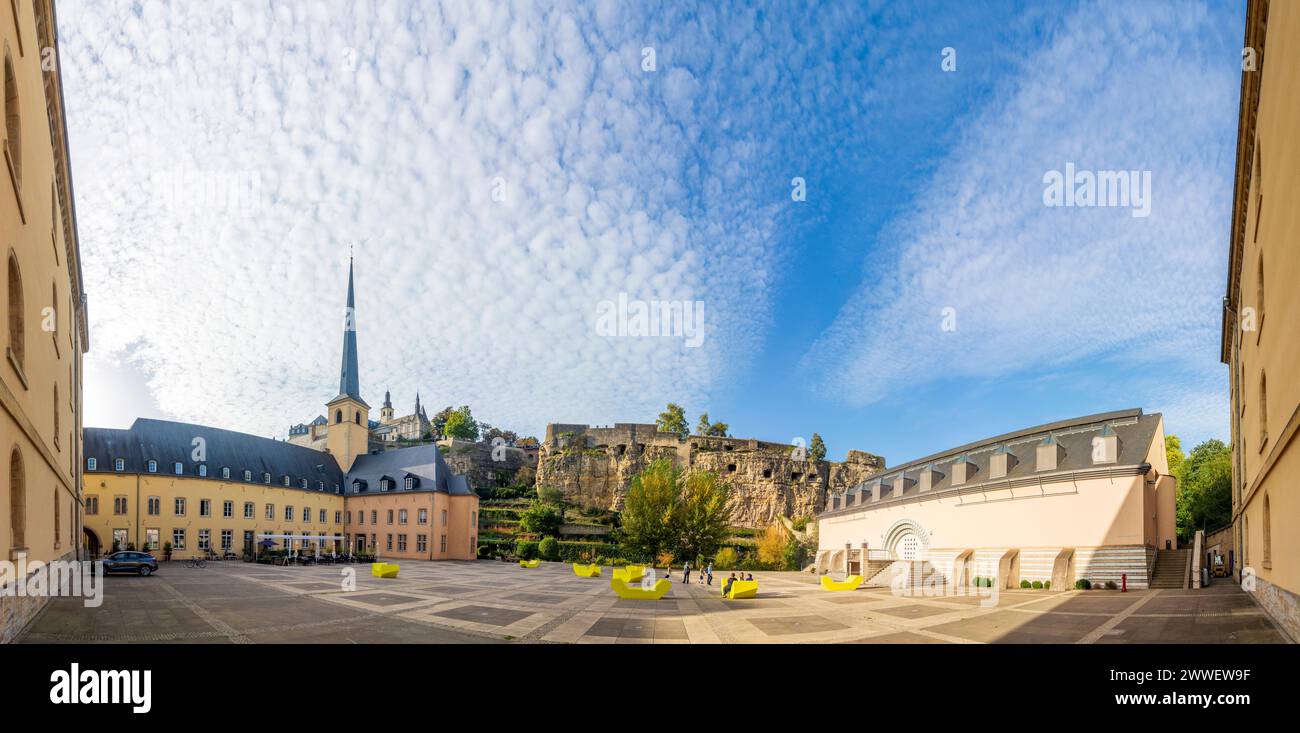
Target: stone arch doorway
907	540
91	542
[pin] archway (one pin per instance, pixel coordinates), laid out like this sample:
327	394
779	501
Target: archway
907	540
91	542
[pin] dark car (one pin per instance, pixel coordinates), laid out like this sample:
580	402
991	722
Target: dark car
139	563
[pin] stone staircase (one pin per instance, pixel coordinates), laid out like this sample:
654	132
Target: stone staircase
1170	569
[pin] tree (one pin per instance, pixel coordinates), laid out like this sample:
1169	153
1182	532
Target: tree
817	448
487	433
461	424
772	546
649	509
703	516
550	495
438	423
716	429
1205	492
673	420
1174	454
528	442
702	427
541	518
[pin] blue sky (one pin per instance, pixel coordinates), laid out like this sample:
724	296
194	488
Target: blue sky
226	157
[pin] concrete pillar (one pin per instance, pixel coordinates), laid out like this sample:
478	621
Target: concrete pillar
862	566
848	550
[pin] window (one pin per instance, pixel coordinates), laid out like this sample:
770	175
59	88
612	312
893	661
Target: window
1268	534
178	539
357	417
409	482
444	517
228	509
306	514
153	466
155	506
17	319
270	511
248	475
119	464
249	509
227	539
266	478
422	543
390	542
91	465
13	125
225	472
205	539
385	484
151	539
338	517
288	514
390	516
177	468
302	483
203	469
285	479
401	516
374	516
443	544
322	516
92	505
179	507
422	516
361	517
338	416
205	507
119	505
401	543
473	519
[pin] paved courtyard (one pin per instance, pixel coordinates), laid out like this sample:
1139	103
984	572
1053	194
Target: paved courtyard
489	601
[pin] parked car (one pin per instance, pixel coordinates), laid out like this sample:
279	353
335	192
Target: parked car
140	563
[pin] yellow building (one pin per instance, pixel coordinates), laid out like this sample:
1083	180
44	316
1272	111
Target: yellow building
1261	308
201	489
45	331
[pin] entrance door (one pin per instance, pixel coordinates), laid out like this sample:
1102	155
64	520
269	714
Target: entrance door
361	544
907	546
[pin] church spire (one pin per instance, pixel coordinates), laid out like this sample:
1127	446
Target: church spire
349	383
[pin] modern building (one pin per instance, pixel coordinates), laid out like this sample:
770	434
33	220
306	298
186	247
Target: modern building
202	489
1260	342
45	331
1089	498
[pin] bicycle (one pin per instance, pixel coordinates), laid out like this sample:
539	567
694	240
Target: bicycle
196	562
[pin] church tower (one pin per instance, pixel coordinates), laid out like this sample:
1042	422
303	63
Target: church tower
348	433
386	412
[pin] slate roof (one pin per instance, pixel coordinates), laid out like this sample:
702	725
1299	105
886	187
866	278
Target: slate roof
168	442
424	462
1134	429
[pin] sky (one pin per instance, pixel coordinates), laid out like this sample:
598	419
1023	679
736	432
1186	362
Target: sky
849	203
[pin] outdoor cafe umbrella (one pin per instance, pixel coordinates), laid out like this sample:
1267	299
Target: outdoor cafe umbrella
268	543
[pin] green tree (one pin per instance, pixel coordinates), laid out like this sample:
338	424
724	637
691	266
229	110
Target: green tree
673	420
550	495
1174	454
817	448
713	429
541	518
461	424
649	510
702	427
703	516
1205	489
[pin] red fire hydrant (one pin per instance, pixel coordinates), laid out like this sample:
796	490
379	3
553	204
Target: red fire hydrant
1123	583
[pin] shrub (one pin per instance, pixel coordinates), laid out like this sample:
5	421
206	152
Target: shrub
526	549
549	549
726	559
1047	585
1026	584
1038	585
1082	584
550	495
1110	585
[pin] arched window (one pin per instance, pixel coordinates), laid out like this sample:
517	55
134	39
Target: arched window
338	416
203	469
13	123
17	341
225	472
17	500
119	464
357	418
1268	533
153	466
91	464
266	477
248	475
1263	409
178	468
56	412
1259	291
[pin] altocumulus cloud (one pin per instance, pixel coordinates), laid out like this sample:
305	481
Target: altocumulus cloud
1115	87
391	125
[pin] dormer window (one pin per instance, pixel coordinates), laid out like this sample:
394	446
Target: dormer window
225	472
178	468
1049	454
303	483
1001	462
119	464
203	469
248	475
385	483
930	477
409	483
286	480
266	477
153	466
358	485
1105	446
902	482
91	464
320	485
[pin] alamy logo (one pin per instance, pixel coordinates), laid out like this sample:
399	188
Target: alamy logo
76	686
1123	189
626	317
59	578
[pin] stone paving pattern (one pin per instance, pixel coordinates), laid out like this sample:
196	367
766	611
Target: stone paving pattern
489	601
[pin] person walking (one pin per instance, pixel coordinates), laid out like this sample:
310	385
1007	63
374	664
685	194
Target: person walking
686	572
708	574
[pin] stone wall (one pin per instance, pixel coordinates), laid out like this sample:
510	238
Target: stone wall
594	467
476	462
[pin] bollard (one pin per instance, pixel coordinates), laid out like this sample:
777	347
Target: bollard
1123	583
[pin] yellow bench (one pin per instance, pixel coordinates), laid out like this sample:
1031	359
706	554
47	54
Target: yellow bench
631	574
384	569
586	571
741	589
529	563
637	593
850	583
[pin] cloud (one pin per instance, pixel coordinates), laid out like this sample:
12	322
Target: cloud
1141	87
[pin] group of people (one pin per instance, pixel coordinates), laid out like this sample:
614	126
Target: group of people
707	574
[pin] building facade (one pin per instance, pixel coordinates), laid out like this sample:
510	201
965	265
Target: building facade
1261	307
201	489
45	331
1088	498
